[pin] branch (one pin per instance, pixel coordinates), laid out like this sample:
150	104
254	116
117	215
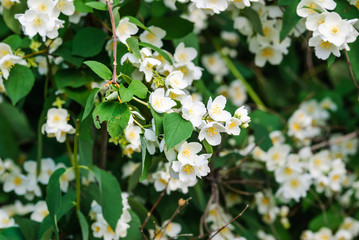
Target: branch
351	69
114	75
335	140
151	211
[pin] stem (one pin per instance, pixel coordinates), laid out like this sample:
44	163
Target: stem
114	41
35	53
140	101
135	121
351	69
69	151
76	167
240	77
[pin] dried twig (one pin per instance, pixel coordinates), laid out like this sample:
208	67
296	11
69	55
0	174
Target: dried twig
114	75
351	69
335	140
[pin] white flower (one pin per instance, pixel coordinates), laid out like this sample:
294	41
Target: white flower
5	220
242	114
315	20
187	151
216	109
132	134
147	67
154	37
129	168
276	156
159	102
237	93
43	6
125	29
323	49
67	7
193	111
268	53
40	211
212	133
308	7
232	126
323	233
15	182
286	172
319	163
65	178
34	22
243	25
215	64
41	64
184	54
56	124
215	6
5	49
295	187
176	81
190	72
351	225
7	62
172	229
334	29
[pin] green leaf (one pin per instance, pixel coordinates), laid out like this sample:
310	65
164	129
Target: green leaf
161	52
290	19
354	58
46	228
175	27
146	159
28	227
14	41
142	212
80	6
79	95
331	60
20	82
268	120
261	136
159	117
53	197
254	19
134	231
115	111
88	42
134	179
329	218
97	5
72	78
111	199
65	51
137	22
84	225
176	129
133	45
138	88
9	16
346	10
116	125
207	146
11	233
125	94
8	145
100	69
86	141
90	102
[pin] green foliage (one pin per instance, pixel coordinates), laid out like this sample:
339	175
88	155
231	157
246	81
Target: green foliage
9	16
133	45
110	195
84	225
28	227
100	69
138	89
161	52
90	102
137	22
253	19
14	41
354	58
133	232
88	42
346	10
176	129
146	159
290	19
53	198
19	83
175	27
97	5
72	78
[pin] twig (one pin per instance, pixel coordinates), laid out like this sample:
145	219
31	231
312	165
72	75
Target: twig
223	227
114	75
181	205
335	140
151	211
351	69
35	53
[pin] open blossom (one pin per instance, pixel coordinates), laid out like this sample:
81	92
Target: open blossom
242	114
184	54
216	109
212	133
193	111
147	66
66	7
125	29
159	102
56	124
154	37
186	150
7	62
215	6
295	187
176	81
232	126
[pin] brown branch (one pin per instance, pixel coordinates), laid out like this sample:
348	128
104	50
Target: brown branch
351	69
151	211
114	75
335	140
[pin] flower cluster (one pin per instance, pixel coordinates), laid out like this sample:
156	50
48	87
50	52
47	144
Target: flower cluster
42	17
331	33
101	229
